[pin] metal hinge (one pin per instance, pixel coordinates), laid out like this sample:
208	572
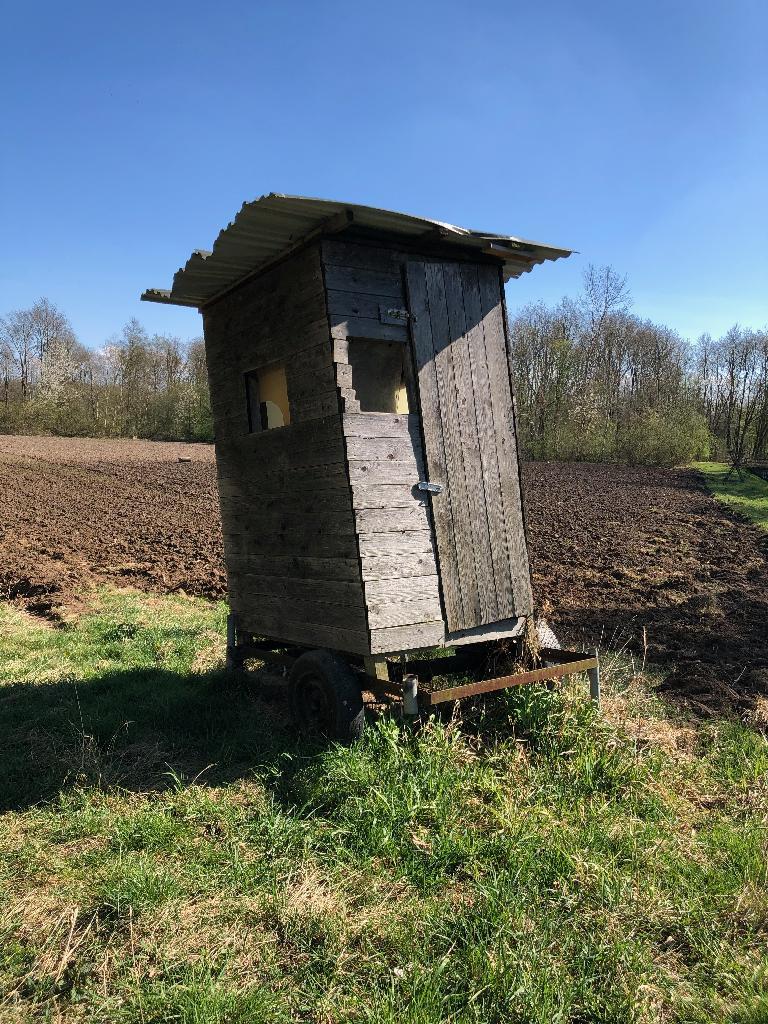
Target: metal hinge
425	485
395	315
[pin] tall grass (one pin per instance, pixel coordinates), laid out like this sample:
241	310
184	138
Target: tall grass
170	851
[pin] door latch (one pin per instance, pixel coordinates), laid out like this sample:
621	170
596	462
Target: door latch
394	315
425	485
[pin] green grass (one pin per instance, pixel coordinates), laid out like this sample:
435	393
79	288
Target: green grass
748	496
171	852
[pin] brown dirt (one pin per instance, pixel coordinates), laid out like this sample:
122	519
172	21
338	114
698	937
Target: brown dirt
646	559
640	558
76	511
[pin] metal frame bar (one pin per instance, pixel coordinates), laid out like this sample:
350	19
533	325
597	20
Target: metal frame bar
556	664
569	663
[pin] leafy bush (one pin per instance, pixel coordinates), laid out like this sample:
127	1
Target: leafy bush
663	439
572	441
649	438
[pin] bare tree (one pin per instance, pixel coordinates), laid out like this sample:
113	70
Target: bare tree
6	370
592	377
50	328
744	392
760	446
605	293
17	335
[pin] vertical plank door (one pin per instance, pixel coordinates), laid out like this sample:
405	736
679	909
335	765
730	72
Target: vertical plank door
467	414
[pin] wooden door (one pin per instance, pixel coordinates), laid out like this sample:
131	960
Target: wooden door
457	328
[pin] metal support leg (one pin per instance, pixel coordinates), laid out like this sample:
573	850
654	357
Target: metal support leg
232	662
594	680
410	695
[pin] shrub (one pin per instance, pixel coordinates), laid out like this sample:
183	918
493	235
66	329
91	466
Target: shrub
571	441
663	439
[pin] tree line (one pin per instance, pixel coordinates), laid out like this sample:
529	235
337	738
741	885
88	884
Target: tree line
596	382
593	382
133	386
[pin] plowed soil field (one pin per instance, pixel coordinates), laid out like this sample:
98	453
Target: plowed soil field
76	511
647	560
642	559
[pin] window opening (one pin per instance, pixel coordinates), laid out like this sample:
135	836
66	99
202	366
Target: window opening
266	392
378	375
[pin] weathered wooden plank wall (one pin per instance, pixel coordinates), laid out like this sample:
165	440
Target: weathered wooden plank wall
289	529
385	462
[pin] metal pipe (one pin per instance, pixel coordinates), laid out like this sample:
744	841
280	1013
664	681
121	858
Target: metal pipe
410	695
594	680
231	656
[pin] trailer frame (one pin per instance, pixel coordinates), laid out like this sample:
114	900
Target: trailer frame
408	675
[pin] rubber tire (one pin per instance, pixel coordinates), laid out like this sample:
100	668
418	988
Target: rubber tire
328	677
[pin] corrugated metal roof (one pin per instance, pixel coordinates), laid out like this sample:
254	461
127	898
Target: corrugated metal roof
266	228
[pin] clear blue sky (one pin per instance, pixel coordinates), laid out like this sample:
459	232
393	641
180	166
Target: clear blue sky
635	132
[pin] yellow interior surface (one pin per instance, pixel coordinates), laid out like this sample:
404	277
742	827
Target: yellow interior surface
273	388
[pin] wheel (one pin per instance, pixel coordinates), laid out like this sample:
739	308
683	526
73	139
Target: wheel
325	697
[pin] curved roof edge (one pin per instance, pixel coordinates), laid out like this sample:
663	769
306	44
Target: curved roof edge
269	227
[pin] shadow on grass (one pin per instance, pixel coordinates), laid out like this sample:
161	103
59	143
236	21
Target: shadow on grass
151	729
140	730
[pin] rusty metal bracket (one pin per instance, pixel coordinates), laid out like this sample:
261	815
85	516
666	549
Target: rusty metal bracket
566	663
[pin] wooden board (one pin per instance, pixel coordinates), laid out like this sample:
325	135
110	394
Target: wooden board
270	607
412	589
503	408
396	610
355	304
362	255
383	449
254	619
407	638
406	543
383	424
361	327
465	401
392	520
364	471
466	455
398	567
277	523
430	385
358	281
307	567
368	495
